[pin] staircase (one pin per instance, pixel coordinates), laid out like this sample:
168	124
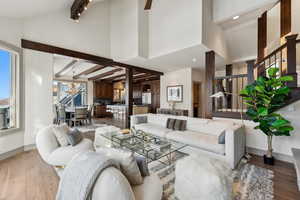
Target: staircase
284	58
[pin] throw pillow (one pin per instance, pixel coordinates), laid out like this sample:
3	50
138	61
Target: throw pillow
127	162
60	133
170	123
74	137
180	125
222	138
143	166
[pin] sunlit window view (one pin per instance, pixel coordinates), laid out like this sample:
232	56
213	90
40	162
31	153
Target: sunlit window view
7	90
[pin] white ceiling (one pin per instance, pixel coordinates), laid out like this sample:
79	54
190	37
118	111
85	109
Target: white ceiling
177	60
29	8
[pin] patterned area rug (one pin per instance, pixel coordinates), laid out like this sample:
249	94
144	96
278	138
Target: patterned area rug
250	182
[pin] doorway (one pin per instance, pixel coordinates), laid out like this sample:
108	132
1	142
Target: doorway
197	106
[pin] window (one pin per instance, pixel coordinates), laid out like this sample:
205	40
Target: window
9	87
70	93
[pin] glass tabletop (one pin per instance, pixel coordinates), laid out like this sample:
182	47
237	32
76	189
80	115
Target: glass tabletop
147	145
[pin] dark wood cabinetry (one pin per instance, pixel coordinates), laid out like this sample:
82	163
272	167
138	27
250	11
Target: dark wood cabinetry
103	90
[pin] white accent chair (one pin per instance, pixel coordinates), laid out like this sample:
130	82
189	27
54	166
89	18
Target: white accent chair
112	184
55	155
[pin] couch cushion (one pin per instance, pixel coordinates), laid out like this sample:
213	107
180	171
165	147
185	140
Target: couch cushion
196	124
199	140
151	189
62	155
112	184
153	129
158	119
61	131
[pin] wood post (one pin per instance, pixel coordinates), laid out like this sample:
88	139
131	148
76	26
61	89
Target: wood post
285	17
291	59
261	36
228	71
129	95
209	80
250	71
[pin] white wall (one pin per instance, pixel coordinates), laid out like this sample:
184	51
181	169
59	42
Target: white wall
179	77
174	25
90	35
295	17
124	29
38	93
242	41
213	35
226	9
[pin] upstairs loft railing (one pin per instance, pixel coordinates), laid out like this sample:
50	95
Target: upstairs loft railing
231	105
284	58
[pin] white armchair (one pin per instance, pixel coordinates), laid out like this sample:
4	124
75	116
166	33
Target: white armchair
112	184
55	155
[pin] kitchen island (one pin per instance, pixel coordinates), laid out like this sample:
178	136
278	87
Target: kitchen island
119	110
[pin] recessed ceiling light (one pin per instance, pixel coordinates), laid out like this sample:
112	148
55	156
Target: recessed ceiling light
194	60
236	17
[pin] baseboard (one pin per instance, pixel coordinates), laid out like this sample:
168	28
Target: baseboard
278	156
29	147
11	153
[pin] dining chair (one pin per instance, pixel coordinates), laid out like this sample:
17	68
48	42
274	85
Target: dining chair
61	115
80	115
90	113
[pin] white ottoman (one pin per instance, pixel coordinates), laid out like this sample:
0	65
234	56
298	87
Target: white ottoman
201	177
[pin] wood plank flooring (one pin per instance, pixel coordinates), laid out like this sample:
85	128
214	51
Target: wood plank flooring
26	177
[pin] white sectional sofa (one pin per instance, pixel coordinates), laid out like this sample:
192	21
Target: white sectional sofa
220	139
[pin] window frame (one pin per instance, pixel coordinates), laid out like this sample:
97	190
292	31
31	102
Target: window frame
19	86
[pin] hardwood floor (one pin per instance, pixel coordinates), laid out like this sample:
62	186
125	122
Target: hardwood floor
26	177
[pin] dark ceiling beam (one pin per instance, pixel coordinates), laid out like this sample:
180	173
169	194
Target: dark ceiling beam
112	78
148	5
65	52
109	73
145	77
68	66
138	69
27	44
78	7
91	70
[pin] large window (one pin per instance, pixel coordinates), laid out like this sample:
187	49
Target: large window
69	93
9	88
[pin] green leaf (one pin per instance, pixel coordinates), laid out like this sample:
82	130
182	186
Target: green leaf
272	72
283	90
286	78
259	88
280	122
244	92
262	111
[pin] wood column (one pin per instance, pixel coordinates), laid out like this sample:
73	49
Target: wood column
285	17
250	71
261	36
292	59
209	80
228	72
129	95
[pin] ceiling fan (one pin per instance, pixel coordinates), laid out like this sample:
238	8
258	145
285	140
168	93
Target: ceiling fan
148	5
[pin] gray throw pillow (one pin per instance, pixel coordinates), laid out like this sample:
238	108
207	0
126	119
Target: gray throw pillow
171	123
180	125
74	137
222	138
143	166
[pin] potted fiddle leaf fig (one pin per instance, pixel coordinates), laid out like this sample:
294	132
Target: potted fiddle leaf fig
263	98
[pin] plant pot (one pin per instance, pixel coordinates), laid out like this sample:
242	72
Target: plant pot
269	160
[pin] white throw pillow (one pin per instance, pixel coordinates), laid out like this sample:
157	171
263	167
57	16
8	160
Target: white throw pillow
127	162
112	185
60	133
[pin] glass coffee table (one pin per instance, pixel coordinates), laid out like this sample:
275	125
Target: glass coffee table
153	148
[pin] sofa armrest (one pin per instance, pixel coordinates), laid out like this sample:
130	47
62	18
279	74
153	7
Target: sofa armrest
235	143
138	119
